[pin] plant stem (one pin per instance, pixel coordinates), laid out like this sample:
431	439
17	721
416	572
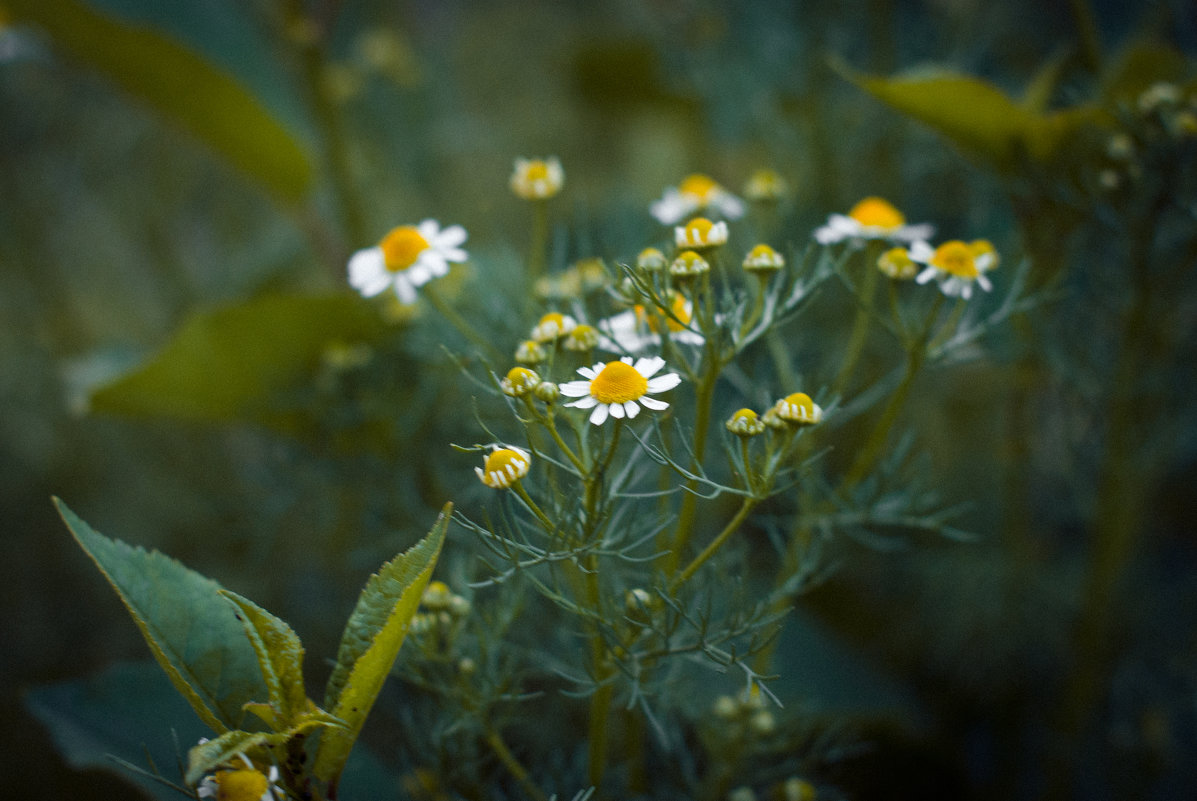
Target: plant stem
732	526
862	321
457	321
539	243
518	772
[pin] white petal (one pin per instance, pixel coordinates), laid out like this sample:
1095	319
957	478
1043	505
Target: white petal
654	403
451	237
374	286
664	383
926	275
584	403
649	365
910	233
365	264
730	205
429	229
574	389
920	251
455	255
418	274
435	264
624	359
599	415
405	291
616	410
984	283
588	372
631	409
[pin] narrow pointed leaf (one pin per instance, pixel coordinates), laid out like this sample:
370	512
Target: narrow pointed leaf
189	627
280	655
371	642
225	363
182	86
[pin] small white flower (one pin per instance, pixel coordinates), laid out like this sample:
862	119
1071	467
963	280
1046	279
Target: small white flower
241	784
700	233
871	218
552	327
504	467
616	389
634	330
407	257
537	179
956	265
696	193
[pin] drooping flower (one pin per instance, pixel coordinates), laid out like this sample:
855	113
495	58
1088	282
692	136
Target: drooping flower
407	257
637	328
617	389
694	194
552	327
504	467
700	234
799	409
537	179
763	259
956	265
871	218
897	264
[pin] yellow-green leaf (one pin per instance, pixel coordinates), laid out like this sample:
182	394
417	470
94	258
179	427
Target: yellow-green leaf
201	98
371	642
189	627
225	363
280	655
1140	64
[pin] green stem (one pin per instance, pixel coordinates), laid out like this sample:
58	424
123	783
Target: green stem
457	321
732	526
862	320
518	772
518	487
1086	25
539	242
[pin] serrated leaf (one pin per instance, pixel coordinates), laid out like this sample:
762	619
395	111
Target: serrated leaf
189	627
202	99
371	641
280	656
225	363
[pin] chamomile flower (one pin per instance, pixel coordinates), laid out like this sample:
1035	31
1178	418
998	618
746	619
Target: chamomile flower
798	409
871	218
651	260
688	264
763	259
956	265
504	467
245	783
617	389
537	179
407	257
700	234
519	381
582	338
745	423
696	193
766	186
637	328
530	352
552	327
897	264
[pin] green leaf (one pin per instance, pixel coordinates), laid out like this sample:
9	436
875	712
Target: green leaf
1038	93
128	711
371	642
182	86
1140	64
189	627
225	363
280	655
225	748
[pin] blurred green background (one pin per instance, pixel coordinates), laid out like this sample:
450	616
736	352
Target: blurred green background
122	213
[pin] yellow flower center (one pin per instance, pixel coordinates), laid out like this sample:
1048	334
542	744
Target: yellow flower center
699	229
957	258
896	263
698	186
240	785
618	382
508	463
536	171
876	212
552	318
401	248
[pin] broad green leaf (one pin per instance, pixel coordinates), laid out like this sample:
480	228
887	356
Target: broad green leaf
225	363
280	655
182	86
129	711
371	642
189	627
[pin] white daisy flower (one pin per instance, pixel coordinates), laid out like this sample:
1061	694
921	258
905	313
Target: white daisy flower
537	179
696	193
552	327
700	233
871	218
616	389
241	784
798	409
407	257
956	265
634	330
504	467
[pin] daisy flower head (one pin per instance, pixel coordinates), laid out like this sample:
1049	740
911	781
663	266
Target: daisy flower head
798	409
766	186
537	179
700	234
696	193
552	327
582	338
764	260
897	264
956	265
745	423
519	381
530	352
618	389
871	218
245	783
689	264
637	328
407	257
651	260
504	467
